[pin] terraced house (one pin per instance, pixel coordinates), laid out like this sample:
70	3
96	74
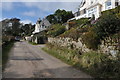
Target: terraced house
88	8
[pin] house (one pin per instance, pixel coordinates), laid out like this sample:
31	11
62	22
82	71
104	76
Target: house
40	28
88	8
41	25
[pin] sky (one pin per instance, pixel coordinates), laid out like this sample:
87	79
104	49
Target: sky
32	10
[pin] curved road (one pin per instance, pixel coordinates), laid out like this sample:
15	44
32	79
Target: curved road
29	61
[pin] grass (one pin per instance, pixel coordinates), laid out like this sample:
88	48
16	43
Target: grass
54	53
5	52
97	65
33	43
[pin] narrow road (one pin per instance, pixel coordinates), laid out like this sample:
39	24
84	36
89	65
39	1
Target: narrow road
29	61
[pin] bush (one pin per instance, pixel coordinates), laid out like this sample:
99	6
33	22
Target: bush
107	25
56	30
100	65
81	21
75	33
72	33
91	40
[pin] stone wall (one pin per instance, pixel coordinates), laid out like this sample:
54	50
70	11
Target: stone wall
109	45
69	43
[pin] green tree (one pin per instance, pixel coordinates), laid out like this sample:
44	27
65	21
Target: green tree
51	18
28	29
60	16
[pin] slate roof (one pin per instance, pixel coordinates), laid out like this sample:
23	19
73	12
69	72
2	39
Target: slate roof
45	22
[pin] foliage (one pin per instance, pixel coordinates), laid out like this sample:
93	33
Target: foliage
107	25
28	29
7	38
60	16
75	32
56	30
5	50
100	64
111	11
66	55
94	63
72	33
91	40
51	18
11	27
33	43
81	21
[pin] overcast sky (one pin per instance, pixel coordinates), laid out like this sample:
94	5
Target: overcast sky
32	10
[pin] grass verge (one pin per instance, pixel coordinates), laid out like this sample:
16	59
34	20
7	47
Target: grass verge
32	43
66	60
54	53
5	53
97	65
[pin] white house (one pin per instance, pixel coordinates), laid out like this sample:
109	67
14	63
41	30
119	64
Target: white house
88	8
41	25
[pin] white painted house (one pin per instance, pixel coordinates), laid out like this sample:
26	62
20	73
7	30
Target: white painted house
88	8
41	25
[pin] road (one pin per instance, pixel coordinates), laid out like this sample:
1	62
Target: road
29	61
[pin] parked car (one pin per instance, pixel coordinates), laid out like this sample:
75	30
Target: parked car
17	38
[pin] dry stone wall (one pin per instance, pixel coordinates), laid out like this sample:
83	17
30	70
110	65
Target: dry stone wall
109	45
69	43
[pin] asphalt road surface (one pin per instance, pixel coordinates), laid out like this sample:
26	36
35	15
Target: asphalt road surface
29	61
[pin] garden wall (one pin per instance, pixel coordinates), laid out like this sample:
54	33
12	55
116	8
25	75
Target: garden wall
109	45
69	43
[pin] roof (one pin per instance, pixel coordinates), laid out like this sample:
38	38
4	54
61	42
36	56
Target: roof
45	22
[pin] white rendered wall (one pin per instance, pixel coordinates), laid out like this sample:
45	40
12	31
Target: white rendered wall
98	13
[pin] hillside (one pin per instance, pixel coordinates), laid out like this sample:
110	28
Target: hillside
88	44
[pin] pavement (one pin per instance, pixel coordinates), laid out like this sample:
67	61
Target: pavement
30	61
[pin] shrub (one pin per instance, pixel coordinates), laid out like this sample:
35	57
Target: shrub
100	64
57	29
75	32
91	40
107	25
79	22
72	33
71	24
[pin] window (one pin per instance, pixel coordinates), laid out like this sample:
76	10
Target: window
108	3
78	13
84	11
116	3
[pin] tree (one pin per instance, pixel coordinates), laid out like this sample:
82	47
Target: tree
28	29
11	27
51	18
16	30
60	16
